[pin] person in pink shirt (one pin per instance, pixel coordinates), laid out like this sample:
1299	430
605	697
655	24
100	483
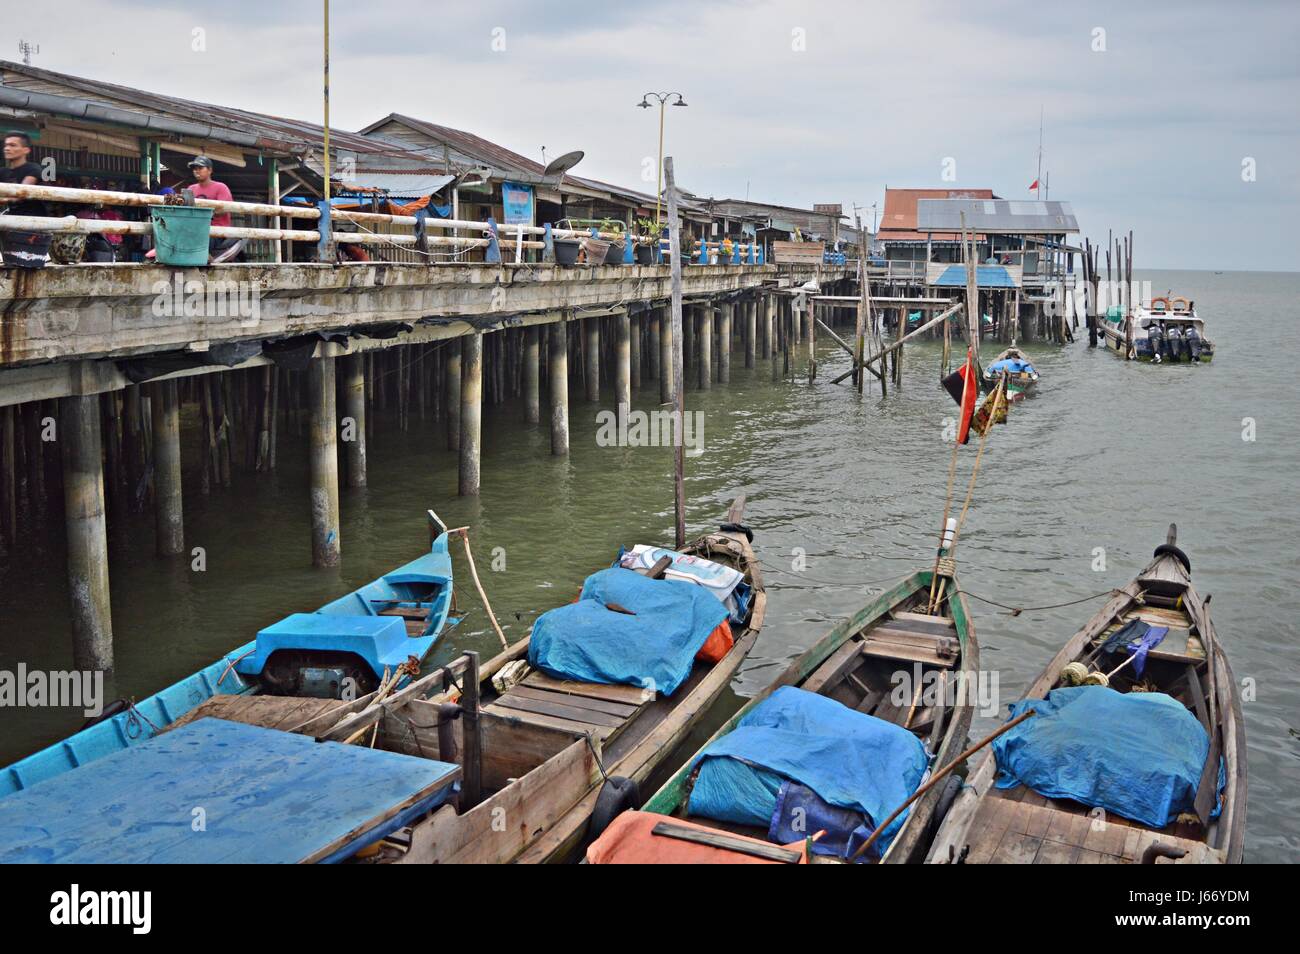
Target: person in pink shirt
206	187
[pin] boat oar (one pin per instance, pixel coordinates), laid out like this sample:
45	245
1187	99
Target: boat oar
935	778
463	532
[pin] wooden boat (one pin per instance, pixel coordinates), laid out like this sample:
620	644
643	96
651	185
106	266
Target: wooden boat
858	664
1019	383
1169	331
295	669
988	824
538	753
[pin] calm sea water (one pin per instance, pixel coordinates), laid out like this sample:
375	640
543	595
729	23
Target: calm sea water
849	488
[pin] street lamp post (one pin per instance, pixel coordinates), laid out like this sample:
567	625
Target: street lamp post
659	167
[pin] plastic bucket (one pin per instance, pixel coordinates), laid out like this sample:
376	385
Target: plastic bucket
180	234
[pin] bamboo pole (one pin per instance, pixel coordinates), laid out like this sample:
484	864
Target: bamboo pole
679	456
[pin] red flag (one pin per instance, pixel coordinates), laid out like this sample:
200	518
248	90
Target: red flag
1034	187
970	391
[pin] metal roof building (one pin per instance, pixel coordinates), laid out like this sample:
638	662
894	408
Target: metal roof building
995	216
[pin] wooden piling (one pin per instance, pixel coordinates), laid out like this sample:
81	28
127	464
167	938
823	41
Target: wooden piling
168	512
532	375
354	407
557	379
452	374
665	357
623	360
591	359
634	352
750	306
325	544
724	343
83	494
471	413
705	380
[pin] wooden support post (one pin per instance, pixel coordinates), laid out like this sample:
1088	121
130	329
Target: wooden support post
665	357
677	362
471	784
653	348
8	475
532	375
325	543
452	371
768	326
591	356
706	346
751	330
635	328
83	495
471	412
623	360
170	521
810	306
724	343
557	378
354	418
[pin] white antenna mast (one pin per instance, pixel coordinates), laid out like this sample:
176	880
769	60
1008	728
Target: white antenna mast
27	49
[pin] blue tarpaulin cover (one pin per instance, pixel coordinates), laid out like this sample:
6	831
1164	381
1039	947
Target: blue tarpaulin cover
1137	754
1014	365
654	649
850	759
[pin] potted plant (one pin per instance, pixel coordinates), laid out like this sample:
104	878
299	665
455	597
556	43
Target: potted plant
648	231
566	249
689	248
615	254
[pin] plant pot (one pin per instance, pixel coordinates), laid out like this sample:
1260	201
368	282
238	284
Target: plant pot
597	249
615	254
645	254
566	251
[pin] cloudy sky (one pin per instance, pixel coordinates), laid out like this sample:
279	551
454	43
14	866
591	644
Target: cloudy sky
1177	120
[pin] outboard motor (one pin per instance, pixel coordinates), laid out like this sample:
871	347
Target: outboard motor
1174	339
1156	336
1193	341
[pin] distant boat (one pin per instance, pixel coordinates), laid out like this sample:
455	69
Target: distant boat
1022	376
1168	331
352	642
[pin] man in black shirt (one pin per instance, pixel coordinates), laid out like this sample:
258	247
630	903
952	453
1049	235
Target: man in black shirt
20	248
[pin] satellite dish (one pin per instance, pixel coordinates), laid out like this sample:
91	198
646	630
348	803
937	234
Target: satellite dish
562	164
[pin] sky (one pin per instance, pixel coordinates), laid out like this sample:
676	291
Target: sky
1179	121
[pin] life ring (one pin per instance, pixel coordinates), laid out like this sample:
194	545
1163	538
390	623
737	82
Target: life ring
1179	304
1161	300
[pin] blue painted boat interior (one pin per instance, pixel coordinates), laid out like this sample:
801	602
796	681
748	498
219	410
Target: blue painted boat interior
138	805
425	581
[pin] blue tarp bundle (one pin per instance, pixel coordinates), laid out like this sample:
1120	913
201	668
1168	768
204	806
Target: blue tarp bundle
1137	754
1136	638
654	649
850	759
1013	365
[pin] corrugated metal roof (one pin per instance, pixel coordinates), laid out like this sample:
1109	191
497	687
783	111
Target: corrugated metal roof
274	133
986	276
900	206
1002	216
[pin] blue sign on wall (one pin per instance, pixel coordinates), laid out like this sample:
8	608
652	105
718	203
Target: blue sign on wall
517	202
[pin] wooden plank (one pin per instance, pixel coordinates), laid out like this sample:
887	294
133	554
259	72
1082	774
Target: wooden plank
536	718
986	830
530	806
559	710
945	621
1055	853
834	668
271	712
917	627
1016	848
897	651
620	709
717	839
632	695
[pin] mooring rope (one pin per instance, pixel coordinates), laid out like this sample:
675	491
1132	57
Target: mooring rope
1017	610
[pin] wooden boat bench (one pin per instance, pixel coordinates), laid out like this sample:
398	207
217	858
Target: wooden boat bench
588	708
913	637
1019	826
287	713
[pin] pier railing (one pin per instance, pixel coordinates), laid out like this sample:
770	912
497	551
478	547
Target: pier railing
322	225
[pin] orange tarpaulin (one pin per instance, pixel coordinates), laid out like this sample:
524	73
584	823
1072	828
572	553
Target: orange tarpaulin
630	840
